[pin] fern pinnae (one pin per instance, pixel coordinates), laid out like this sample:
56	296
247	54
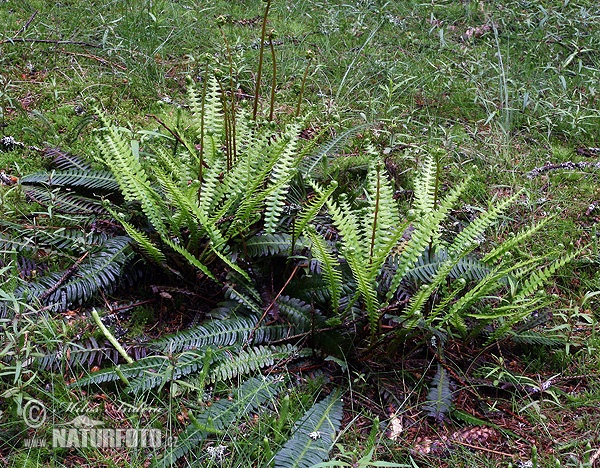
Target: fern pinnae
427	228
87	179
329	266
314	435
510	243
141	239
466	239
424	186
310	211
538	278
439	398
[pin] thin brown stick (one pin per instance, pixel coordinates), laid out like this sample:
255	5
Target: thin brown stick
273	301
103	61
476	447
70	272
177	137
26	25
50	41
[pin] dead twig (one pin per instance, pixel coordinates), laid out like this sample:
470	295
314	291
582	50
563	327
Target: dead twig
273	302
175	135
50	41
103	61
26	25
70	272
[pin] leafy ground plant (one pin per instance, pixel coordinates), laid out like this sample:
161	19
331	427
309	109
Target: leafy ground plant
506	89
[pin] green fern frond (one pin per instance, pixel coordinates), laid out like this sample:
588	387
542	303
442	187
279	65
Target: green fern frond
538	278
312	209
329	263
65	161
150	365
424	186
101	270
143	241
250	360
314	435
272	244
537	339
127	169
236	330
381	220
509	244
425	230
281	175
466	239
470	268
302	315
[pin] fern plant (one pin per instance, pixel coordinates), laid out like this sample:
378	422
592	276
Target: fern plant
444	283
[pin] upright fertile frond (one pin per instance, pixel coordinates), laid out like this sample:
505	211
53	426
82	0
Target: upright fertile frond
381	220
314	435
281	175
213	122
131	176
347	224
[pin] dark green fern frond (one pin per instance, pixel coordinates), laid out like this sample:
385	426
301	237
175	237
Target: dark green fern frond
221	415
64	202
313	435
470	268
331	146
226	332
439	398
150	365
271	244
302	315
537	338
86	179
251	360
64	160
78	355
101	270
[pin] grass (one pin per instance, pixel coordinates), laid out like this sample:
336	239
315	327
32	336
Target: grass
503	88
